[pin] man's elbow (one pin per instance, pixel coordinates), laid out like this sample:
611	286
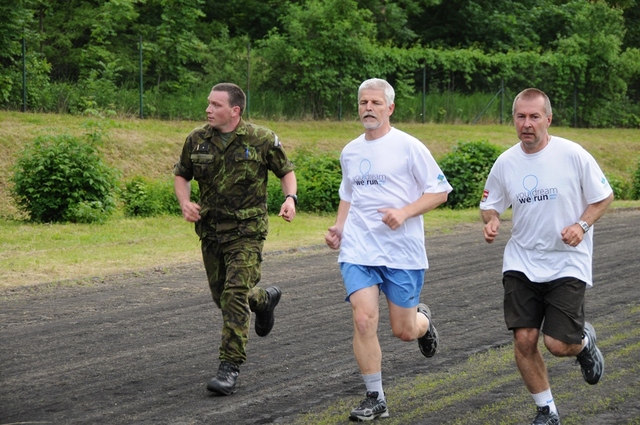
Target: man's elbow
606	201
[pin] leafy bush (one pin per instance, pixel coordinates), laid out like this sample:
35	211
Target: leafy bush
274	195
138	199
319	180
467	167
147	198
88	212
62	178
622	189
318	176
635	191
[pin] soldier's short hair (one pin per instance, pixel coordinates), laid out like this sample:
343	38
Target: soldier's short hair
236	95
378	84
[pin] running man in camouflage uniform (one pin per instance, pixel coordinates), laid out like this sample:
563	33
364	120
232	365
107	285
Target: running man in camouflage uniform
230	160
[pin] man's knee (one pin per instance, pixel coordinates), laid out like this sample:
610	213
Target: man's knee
526	339
405	335
561	349
365	322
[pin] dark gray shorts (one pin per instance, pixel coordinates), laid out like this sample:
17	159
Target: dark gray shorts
556	307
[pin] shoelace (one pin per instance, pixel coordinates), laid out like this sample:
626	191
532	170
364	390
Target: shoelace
225	369
369	402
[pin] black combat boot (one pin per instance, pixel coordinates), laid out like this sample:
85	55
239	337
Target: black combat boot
266	317
224	383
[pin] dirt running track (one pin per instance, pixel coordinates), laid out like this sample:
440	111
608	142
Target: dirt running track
139	348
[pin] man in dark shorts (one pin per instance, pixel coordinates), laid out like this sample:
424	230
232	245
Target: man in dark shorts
556	191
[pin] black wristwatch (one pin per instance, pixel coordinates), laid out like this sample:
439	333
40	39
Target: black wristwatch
294	197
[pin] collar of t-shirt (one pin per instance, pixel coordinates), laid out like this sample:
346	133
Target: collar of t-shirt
226	137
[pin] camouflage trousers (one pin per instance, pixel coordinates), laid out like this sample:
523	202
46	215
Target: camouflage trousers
233	271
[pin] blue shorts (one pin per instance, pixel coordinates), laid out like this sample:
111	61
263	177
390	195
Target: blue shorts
401	287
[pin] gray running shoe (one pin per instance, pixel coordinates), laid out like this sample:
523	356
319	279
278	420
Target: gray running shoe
545	417
370	408
428	343
590	358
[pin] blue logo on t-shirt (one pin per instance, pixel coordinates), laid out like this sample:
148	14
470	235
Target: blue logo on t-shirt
532	193
366	178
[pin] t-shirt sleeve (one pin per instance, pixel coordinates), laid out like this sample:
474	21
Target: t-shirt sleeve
345	190
427	171
595	185
494	196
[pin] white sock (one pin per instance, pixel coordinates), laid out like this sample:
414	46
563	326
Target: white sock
545	399
373	382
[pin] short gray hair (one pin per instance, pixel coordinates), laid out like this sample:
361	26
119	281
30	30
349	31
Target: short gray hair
531	94
378	84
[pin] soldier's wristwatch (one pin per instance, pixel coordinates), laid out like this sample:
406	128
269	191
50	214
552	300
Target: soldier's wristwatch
294	197
585	226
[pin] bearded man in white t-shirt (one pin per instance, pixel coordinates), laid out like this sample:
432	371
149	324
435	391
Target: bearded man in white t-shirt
389	180
557	192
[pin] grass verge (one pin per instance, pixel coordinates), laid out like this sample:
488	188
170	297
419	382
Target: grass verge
42	253
463	390
39	253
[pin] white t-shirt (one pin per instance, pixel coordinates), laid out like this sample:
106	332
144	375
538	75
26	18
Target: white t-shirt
389	172
548	191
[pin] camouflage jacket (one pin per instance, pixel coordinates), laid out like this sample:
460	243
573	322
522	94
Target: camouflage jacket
232	179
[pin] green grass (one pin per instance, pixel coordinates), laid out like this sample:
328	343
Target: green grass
466	384
31	253
39	253
43	253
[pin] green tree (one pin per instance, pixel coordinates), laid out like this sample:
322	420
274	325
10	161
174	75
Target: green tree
63	27
16	25
309	55
242	18
589	62
324	46
392	19
110	37
173	52
227	61
11	28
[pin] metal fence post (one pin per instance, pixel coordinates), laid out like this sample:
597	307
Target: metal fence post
248	108
501	98
575	102
141	87
424	92
340	96
24	74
